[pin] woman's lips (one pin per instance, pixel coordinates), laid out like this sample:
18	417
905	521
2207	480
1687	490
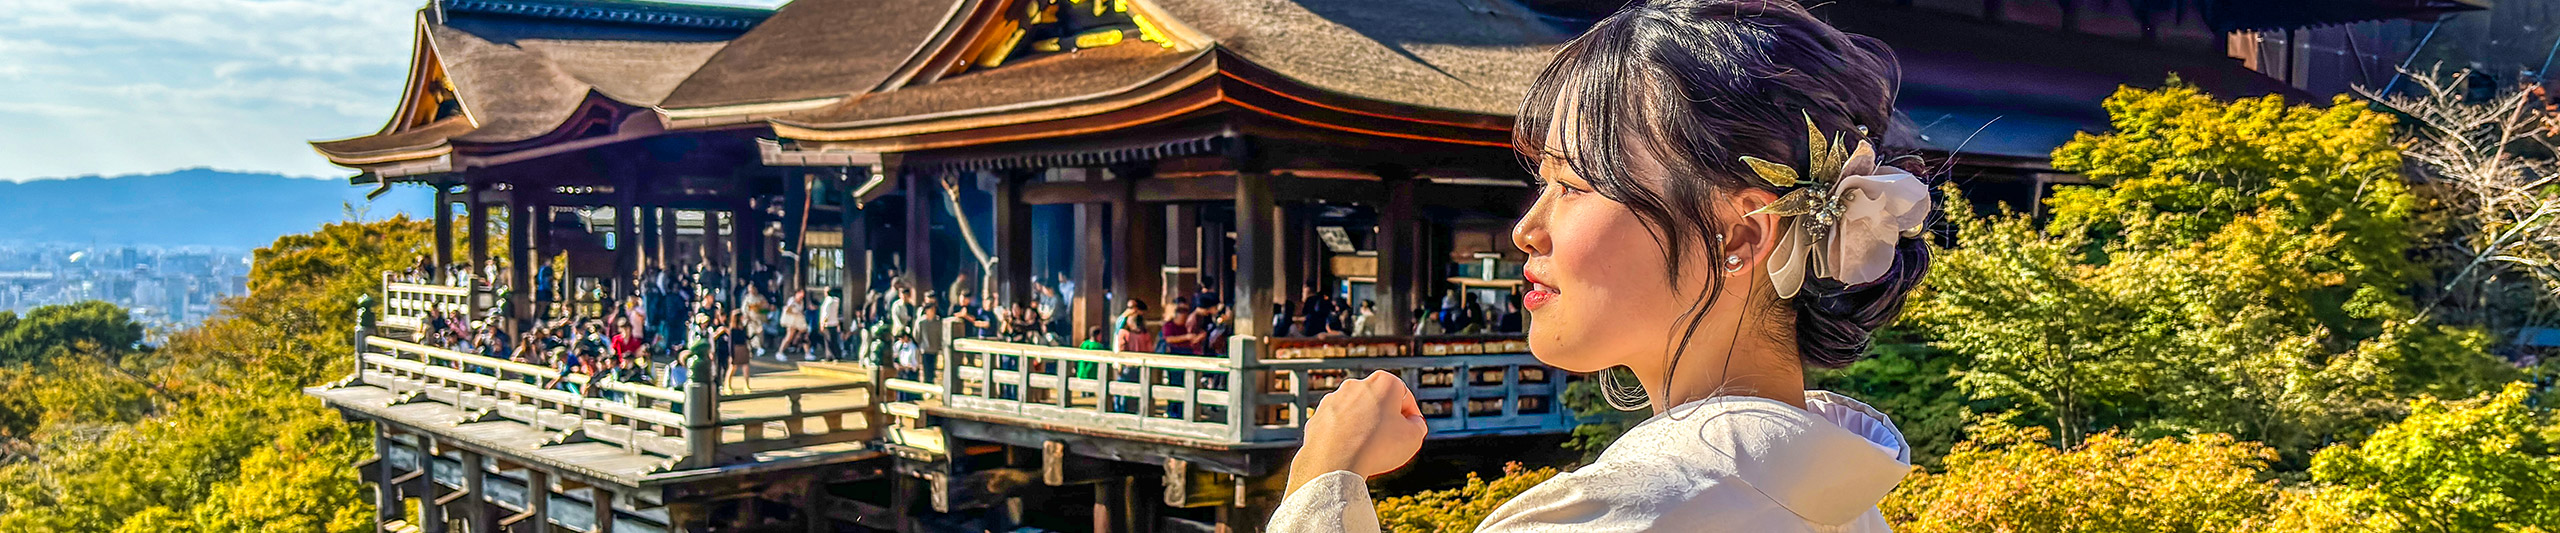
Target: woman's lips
1539	291
1538	297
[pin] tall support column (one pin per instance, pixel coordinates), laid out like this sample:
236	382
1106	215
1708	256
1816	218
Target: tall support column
653	248
386	497
1013	238
922	192
1093	267
1138	244
626	243
431	515
856	227
444	232
1399	257
795	220
751	246
519	260
1289	255
542	246
1257	226
602	500
1110	503
482	517
1182	247
537	500
479	213
667	236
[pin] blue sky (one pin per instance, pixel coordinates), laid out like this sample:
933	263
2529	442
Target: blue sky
112	87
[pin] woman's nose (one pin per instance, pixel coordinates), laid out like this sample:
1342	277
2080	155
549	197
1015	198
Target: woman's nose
1530	234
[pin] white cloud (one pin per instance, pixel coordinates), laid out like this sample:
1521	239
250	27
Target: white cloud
114	87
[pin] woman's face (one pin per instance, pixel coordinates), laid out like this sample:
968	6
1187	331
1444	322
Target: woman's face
1601	292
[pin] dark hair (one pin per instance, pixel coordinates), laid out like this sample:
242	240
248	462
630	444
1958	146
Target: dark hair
1694	85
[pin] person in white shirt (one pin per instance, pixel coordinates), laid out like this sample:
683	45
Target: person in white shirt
1713	218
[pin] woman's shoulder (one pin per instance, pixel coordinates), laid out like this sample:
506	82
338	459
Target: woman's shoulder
1826	463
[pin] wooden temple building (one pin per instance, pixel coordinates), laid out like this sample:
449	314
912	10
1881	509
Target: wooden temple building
1254	150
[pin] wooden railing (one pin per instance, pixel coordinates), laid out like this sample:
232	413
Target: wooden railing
405	305
686	426
1262	392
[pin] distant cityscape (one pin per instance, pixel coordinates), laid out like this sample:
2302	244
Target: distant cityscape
163	287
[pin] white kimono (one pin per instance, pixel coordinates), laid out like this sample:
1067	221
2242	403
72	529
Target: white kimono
1741	464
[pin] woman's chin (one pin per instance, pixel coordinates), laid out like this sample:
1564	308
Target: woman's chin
1553	348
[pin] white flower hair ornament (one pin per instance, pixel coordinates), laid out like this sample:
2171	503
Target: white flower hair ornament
1845	214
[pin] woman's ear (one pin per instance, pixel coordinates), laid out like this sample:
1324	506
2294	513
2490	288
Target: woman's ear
1748	240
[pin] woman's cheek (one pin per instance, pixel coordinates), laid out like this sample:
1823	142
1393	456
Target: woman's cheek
1610	278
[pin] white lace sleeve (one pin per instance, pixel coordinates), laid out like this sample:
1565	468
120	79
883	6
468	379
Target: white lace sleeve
1336	502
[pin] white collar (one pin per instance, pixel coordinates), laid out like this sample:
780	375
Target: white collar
1829	462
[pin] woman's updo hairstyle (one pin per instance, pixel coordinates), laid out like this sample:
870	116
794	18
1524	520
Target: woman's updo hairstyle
1694	85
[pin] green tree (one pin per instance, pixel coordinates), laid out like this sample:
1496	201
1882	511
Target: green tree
54	330
1458	509
2007	479
214	433
2239	268
2483	464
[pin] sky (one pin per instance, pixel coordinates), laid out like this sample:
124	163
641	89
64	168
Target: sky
114	87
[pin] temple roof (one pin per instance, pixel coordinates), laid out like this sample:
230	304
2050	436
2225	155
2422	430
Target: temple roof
1474	56
814	49
520	68
1428	57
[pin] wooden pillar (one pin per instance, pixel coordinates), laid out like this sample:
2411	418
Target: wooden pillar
1399	260
1110	505
795	219
1289	254
444	232
1216	258
431	515
626	244
472	196
856	227
1093	268
1013	238
750	228
1256	239
1137	245
667	236
902	501
688	517
651	239
482	517
1182	247
386	496
922	191
537	501
602	503
519	260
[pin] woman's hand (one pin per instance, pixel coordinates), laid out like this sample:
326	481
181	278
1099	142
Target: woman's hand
1369	426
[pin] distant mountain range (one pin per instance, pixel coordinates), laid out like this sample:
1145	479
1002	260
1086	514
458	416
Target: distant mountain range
191	207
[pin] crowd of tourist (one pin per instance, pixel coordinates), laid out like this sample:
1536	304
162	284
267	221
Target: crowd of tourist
712	321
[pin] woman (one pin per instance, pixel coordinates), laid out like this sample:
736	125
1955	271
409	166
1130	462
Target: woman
1134	334
1684	201
795	325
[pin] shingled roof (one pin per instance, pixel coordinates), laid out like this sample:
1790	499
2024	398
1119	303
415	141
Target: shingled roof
521	67
814	49
1474	57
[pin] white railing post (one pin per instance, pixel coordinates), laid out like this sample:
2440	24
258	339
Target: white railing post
1244	357
701	423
